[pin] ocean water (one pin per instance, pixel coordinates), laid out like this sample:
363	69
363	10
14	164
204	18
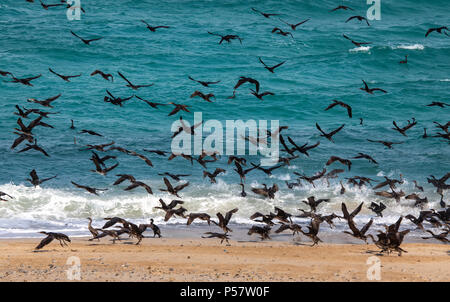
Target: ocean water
320	66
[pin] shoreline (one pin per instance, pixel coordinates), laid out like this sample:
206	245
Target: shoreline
194	259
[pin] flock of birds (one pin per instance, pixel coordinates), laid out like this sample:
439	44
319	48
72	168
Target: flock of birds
388	240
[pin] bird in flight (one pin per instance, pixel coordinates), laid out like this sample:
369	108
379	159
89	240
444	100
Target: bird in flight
271	69
153	28
359	18
294	26
371	90
64	77
131	85
264	14
85	41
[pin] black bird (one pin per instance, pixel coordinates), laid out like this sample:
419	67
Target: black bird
203	83
174	176
294	26
47	6
156	230
389	182
226	38
330	134
441	237
438	104
418	200
403	130
71	125
371	90
271	69
279	31
89	189
206	97
343	161
179	212
267	171
313	203
377	208
5	73
405	61
265	191
393	194
267	219
92	230
170	206
264	14
4	194
313	230
201	216
35	181
24	81
295	228
131	85
178	107
111	221
171	189
440	30
62	238
359	18
385	143
366	156
90	132
85	41
136	184
34	147
311	179
243	193
241	171
64	77
302	149
223	237
212	176
159	152
123	177
342	104
46	102
263	232
420	188
439	184
357	233
223	221
115	100
243	80
153	28
106	76
341	7
262	94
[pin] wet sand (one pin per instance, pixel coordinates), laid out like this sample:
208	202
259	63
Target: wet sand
171	259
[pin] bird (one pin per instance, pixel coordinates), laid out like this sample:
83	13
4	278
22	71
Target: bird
439	183
212	176
85	41
263	232
279	31
24	81
385	143
418	200
243	80
179	212
154	28
178	107
106	76
313	230
389	182
62	238
266	15
420	188
343	161
342	104
441	237
357	233
176	177
359	18
4	194
34	147
405	61
131	85
171	189
203	83
46	102
365	156
371	90
202	216
403	130
440	30
35	181
267	171
302	149
329	135
151	104
393	194
206	97
243	193
267	219
90	132
72	125
294	26
89	189
341	7
262	94
223	237
438	104
313	178
111	221
135	184
5	73
241	172
156	230
47	6
159	152
64	77
377	208
115	100
271	69
170	206
265	191
313	203
295	228
226	38
223	221
357	44
92	230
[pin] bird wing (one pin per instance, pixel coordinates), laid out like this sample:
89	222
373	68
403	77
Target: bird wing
44	242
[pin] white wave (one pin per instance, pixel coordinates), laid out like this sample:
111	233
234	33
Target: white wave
445	80
361	49
410	47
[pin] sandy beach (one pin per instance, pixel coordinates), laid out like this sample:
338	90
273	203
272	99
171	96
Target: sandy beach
170	259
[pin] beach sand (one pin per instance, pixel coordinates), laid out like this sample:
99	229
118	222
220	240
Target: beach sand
170	259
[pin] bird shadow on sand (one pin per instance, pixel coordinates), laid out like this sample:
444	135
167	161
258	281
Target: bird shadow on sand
377	253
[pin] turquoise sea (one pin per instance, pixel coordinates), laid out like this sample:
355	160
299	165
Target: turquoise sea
320	66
